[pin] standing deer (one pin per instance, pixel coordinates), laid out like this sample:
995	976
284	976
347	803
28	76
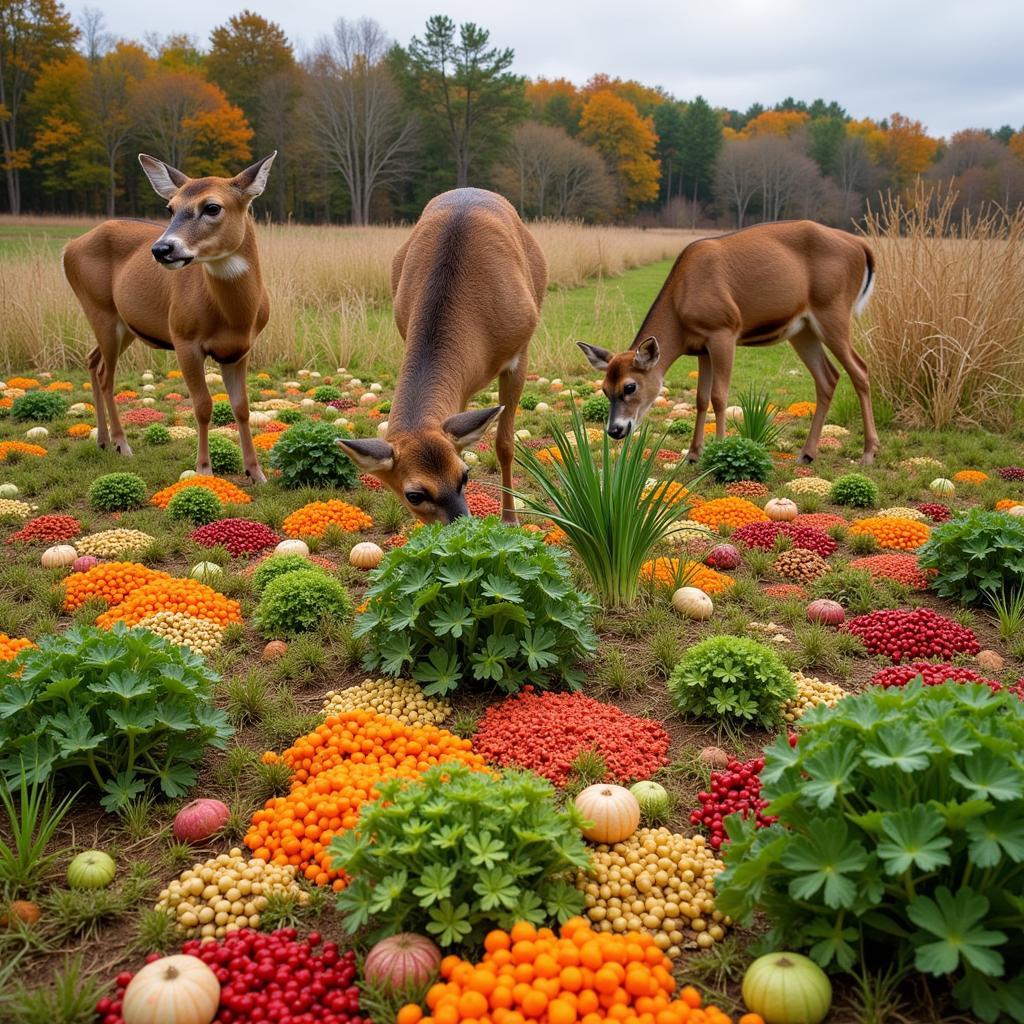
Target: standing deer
214	304
467	286
795	281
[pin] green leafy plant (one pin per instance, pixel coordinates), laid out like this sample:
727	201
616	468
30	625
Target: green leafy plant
977	554
326	393
596	408
308	456
476	600
280	565
760	418
733	679
855	490
457	853
612	518
38	405
117	492
1008	606
156	434
123	708
899	836
225	455
529	401
32	821
384	407
299	601
196	505
736	458
680	428
222	414
288	416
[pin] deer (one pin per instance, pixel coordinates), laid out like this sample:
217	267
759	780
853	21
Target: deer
193	287
467	287
796	281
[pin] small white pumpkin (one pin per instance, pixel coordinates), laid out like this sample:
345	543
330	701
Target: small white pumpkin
187	474
613	811
148	389
523	435
471	459
941	486
147	377
1016	510
214	378
148	400
308	403
693	603
204	570
355	382
382	431
542	407
292	547
541	381
178	989
366	555
37	433
781	510
734	414
9	491
303	373
368	398
315	374
58	556
376	387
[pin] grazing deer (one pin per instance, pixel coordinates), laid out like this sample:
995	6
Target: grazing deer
795	281
467	286
213	305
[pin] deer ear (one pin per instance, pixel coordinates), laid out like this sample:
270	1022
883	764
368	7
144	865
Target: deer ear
370	454
165	179
253	180
599	358
647	354
466	428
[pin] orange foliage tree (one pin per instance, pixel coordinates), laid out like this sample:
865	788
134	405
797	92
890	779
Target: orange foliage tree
909	150
627	141
780	123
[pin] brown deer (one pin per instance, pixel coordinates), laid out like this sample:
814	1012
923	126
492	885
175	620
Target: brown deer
468	286
795	281
213	305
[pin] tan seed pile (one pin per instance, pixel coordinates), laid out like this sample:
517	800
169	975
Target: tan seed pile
181	432
810	691
899	512
809	485
800	565
15	509
399	698
834	430
113	543
200	635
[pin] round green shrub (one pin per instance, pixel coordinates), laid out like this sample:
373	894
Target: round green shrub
384	407
731	678
225	455
196	505
280	565
476	601
288	416
976	556
680	428
326	393
38	405
308	456
222	414
117	492
529	402
855	490
736	458
157	434
898	839
299	601
596	408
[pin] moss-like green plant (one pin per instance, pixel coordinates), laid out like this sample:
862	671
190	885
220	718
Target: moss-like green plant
117	492
38	405
196	505
326	393
308	455
855	490
736	458
299	601
225	455
280	565
222	414
156	434
595	409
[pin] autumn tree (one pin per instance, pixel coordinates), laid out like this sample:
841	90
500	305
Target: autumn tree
907	149
464	90
356	113
645	98
32	32
555	101
700	143
243	54
627	141
780	123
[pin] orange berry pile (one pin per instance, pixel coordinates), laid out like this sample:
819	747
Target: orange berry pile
110	582
21	383
892	533
802	409
577	977
313	520
669	493
264	442
334	770
548	455
79	430
190	597
734	512
228	493
970	476
21	448
1005	504
666	572
901	568
11	645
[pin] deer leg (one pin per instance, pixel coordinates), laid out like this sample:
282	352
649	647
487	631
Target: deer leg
703	397
124	338
510	389
721	350
233	375
95	366
191	362
836	336
809	348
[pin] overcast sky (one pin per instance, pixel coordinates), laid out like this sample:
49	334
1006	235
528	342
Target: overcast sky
951	63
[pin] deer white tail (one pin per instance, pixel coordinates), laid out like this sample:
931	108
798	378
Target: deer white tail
867	287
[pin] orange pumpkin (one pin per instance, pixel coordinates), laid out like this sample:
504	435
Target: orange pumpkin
614	811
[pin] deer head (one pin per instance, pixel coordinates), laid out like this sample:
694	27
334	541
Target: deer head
207	215
424	467
632	381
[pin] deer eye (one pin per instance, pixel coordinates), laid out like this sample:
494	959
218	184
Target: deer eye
628	389
211	209
416	497
465	478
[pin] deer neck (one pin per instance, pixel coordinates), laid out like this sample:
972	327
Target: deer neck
235	283
662	322
434	381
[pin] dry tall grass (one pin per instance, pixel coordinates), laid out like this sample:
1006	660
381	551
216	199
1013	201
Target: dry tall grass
945	331
329	289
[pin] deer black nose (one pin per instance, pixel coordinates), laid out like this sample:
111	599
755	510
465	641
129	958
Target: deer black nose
162	250
616	430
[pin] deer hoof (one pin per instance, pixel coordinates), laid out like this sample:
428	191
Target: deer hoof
256	476
868	458
204	470
123	448
693	457
805	459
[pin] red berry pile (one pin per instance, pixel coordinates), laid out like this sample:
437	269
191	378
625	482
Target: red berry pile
736	790
784	591
921	633
142	417
901	568
46	530
239	536
544	732
935	511
481	501
932	674
341	403
1011	472
764	535
370	482
820	520
269	978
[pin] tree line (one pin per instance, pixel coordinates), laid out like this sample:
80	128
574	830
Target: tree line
367	129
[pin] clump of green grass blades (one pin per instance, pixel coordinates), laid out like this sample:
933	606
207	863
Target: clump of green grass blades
759	422
601	504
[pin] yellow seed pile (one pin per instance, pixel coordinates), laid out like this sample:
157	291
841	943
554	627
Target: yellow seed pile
113	543
899	512
810	690
15	509
921	462
834	430
180	432
656	881
226	893
275	403
809	485
400	698
201	635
